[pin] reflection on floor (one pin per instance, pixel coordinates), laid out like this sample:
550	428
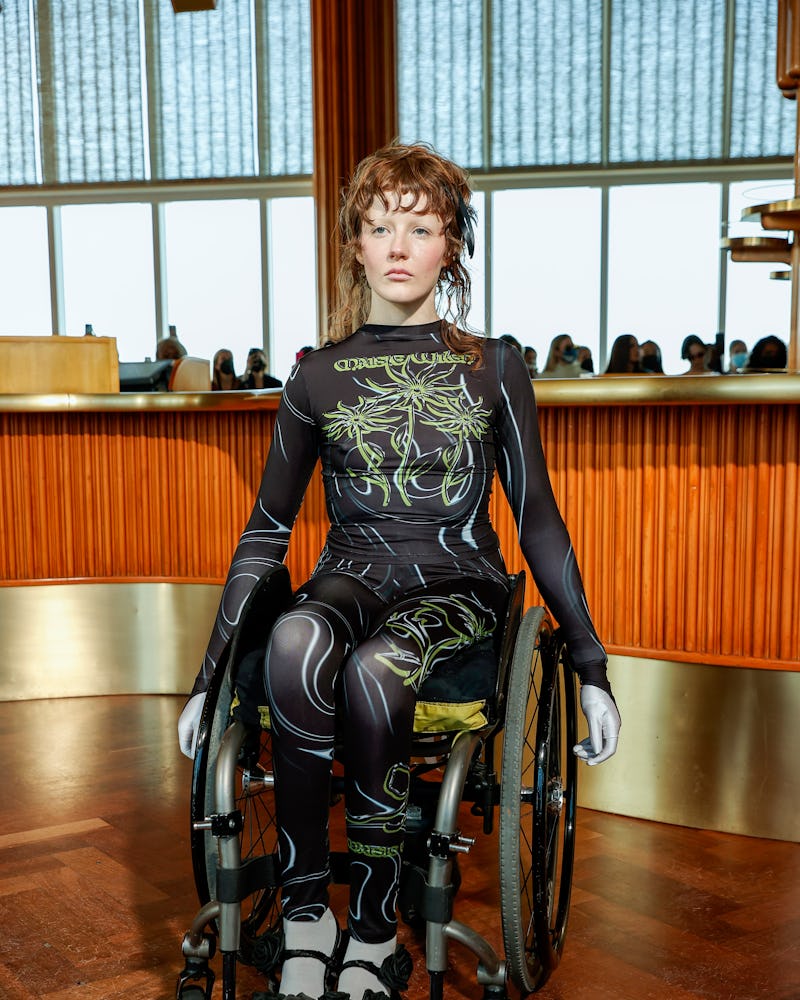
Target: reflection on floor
96	888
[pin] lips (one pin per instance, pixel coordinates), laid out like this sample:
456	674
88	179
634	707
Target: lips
398	272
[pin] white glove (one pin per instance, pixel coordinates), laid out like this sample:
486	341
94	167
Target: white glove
604	722
189	723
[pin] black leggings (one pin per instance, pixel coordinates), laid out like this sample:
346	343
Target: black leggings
341	641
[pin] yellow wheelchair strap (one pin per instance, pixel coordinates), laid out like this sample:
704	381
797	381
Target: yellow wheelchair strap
429	716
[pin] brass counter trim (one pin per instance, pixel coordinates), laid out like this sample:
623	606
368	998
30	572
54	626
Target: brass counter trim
646	390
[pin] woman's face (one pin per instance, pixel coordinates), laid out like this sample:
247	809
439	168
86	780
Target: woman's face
402	250
697	358
633	350
221	358
566	345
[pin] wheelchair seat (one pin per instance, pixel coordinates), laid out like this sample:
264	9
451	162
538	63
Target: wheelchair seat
517	684
462	692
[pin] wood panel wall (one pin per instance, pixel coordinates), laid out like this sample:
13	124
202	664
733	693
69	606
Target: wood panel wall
355	112
685	519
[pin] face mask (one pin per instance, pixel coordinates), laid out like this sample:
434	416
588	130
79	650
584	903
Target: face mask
568	355
226	367
739	360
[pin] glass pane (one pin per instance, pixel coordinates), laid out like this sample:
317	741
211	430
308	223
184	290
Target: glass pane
546	82
663	275
214	276
203	122
666	79
108	275
24	272
762	120
293	281
17	121
92	59
546	266
440	76
756	306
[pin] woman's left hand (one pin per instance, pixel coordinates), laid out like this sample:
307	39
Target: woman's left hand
604	724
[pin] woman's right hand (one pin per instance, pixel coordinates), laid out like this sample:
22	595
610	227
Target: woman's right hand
189	723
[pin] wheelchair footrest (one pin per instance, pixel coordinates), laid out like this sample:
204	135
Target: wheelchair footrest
196	971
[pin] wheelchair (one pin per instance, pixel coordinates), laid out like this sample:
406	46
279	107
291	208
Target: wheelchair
508	702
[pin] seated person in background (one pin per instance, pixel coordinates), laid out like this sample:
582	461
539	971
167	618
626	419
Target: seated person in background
531	360
223	374
562	359
256	375
170	348
737	356
624	358
510	339
585	359
302	352
650	358
768	355
694	351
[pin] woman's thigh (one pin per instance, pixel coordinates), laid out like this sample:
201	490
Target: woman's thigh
310	642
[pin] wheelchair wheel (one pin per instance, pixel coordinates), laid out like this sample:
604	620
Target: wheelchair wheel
254	797
537	805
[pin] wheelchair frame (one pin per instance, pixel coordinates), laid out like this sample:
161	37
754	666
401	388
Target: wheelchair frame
234	836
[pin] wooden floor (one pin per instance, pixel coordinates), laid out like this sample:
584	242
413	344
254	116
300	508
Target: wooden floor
96	890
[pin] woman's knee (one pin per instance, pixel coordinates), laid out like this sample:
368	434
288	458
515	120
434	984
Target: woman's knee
377	694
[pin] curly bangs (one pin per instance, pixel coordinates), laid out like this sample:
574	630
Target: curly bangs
404	170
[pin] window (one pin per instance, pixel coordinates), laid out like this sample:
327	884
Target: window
546	247
214	276
663	276
108	275
293	288
24	273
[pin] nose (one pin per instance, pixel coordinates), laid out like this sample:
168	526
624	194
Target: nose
398	247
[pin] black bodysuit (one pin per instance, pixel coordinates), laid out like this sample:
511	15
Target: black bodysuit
409	436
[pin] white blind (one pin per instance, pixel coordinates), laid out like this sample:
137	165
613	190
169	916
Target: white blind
439	72
202	115
763	122
91	90
546	82
17	142
548	95
286	123
127	89
667	74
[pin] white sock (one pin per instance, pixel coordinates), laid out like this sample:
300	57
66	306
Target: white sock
307	975
355	980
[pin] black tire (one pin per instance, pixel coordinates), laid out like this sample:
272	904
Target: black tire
254	798
193	993
538	798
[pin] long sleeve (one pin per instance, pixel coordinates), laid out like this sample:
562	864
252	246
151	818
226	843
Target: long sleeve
292	456
543	535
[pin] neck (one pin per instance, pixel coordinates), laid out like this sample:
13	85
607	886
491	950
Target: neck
385	313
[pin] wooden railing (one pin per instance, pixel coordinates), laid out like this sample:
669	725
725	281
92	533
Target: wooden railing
682	500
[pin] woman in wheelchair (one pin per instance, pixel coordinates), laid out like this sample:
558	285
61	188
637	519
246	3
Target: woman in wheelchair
410	416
